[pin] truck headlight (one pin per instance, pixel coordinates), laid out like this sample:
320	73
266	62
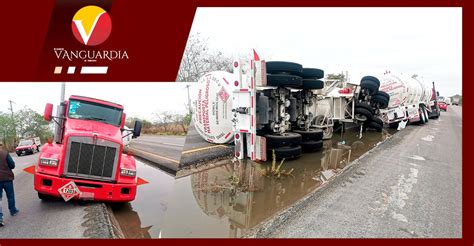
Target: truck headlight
49	162
128	172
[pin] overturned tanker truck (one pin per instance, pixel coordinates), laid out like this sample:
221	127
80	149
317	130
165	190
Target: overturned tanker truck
279	106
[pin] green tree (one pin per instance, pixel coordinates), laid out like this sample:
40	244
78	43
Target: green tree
7	136
31	124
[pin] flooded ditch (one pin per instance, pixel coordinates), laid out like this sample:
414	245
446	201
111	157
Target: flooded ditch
228	200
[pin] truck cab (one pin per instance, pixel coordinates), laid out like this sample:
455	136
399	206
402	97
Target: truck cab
87	151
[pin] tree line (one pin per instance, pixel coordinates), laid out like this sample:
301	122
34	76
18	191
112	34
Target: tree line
24	123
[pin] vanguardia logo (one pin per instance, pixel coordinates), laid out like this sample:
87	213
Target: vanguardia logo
91	25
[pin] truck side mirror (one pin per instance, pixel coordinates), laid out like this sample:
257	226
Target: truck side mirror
437	93
48	112
137	128
124	117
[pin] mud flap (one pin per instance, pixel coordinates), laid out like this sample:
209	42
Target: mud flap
402	124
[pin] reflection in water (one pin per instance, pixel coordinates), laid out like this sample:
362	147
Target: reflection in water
244	197
143	217
131	224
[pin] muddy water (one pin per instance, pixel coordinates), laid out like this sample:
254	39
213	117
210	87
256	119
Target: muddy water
143	217
229	200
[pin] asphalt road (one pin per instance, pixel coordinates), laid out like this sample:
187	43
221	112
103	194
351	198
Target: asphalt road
164	151
410	186
52	219
197	151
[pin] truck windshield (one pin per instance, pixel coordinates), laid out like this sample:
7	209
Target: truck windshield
93	111
25	142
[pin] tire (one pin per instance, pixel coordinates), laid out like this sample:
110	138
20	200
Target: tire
383	94
361	114
312	84
18	154
282	67
371	78
286	152
365	106
284	80
370	85
311	146
425	112
381	98
377	120
312	73
313	134
287	139
373	125
422	116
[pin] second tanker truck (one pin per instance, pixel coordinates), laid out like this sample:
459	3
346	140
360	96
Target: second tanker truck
411	100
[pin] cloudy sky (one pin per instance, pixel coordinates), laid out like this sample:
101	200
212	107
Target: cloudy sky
139	99
362	41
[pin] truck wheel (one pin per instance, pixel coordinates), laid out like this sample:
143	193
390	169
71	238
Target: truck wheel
362	114
370	84
311	146
365	106
282	67
371	78
427	118
312	84
312	73
381	99
286	139
284	80
286	152
373	125
422	116
313	134
383	94
377	120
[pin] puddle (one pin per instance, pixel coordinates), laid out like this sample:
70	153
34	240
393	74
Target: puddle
228	200
143	217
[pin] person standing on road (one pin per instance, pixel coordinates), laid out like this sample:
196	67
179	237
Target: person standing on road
6	182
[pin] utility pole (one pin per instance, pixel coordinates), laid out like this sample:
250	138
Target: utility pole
13	121
63	91
189	100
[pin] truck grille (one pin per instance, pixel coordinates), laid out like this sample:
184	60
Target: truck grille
86	159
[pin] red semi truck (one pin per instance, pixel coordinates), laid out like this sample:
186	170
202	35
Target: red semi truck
87	153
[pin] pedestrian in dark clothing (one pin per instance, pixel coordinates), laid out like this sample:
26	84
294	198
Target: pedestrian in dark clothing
6	182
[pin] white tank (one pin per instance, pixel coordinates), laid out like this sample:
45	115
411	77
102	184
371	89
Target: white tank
405	90
213	107
395	86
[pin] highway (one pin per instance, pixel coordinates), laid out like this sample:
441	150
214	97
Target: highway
409	187
197	151
162	150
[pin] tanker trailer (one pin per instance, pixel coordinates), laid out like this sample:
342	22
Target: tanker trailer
411	100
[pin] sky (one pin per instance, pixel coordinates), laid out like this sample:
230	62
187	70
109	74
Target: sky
139	99
362	41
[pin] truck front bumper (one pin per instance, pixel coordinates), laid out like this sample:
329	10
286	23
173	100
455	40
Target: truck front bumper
90	190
